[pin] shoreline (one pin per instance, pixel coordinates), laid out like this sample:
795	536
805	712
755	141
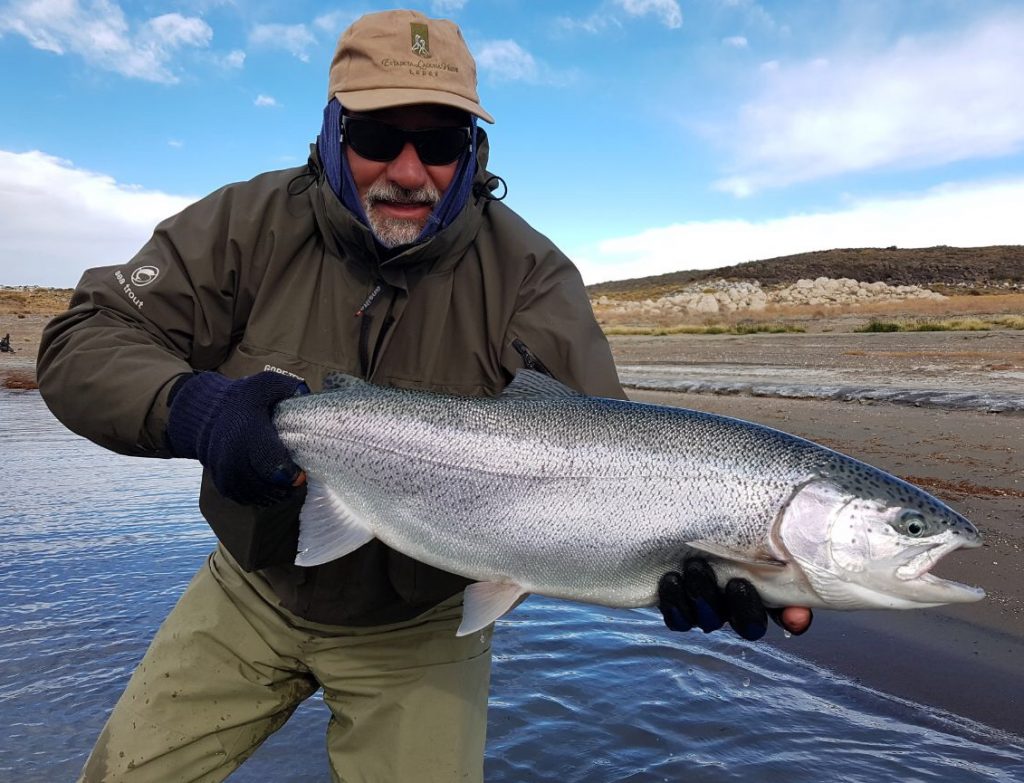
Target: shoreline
963	659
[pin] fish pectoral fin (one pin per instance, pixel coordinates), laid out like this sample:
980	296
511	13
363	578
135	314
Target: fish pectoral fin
485	602
327	528
736	555
533	385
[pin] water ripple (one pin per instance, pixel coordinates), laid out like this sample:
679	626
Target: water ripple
98	547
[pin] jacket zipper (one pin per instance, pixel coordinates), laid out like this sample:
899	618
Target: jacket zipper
368	358
365	323
385	327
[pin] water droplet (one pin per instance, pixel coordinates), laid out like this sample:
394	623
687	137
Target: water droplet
746	682
787	634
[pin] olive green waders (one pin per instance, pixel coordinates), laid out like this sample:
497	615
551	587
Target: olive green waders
228	667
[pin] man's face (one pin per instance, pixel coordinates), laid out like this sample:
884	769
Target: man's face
398	195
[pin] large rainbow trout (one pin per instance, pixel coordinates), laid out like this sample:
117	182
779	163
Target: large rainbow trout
544	490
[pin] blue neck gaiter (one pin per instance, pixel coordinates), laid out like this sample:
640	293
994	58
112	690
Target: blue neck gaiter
339	177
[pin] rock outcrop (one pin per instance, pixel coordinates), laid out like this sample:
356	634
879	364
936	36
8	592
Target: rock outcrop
723	296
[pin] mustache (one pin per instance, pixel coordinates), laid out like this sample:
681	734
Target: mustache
382	190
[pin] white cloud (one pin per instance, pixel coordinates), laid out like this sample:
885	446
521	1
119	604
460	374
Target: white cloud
667	11
175	143
233	59
736	41
293	38
593	24
754	13
925	101
507	61
175	30
447	6
964	215
265	101
335	22
99	33
57	220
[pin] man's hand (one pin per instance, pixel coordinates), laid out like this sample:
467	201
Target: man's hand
227	425
692	598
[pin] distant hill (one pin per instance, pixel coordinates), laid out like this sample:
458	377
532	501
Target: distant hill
980	268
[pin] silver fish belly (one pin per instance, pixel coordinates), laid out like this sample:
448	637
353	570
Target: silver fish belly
543	490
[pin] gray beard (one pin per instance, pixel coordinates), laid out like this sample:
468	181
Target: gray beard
390	231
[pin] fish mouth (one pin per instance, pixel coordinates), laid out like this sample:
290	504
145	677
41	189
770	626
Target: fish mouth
925	587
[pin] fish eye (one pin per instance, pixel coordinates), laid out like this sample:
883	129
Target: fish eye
912	523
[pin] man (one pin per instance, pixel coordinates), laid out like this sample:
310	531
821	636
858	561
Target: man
388	257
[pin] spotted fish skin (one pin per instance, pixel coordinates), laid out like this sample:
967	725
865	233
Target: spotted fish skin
547	491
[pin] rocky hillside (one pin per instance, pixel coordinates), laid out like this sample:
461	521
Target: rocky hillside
983	269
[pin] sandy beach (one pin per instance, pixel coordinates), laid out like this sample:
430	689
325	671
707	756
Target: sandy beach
25	332
966	659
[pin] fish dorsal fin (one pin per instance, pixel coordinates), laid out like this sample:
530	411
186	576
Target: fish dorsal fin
530	384
485	602
735	555
335	381
327	527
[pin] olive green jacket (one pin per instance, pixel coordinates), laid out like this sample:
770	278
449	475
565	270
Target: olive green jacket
276	274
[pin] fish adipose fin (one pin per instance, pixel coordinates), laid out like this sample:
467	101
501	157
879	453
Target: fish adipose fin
735	555
530	384
485	602
327	528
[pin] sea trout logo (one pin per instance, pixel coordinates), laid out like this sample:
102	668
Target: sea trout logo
420	39
145	275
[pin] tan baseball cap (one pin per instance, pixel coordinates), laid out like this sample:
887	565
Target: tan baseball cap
397	58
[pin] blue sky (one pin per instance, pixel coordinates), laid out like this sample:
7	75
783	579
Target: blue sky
642	136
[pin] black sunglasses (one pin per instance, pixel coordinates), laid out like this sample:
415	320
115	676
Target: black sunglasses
381	142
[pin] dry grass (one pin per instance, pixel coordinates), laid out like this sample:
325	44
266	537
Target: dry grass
1002	310
953	306
34	301
950	325
738	328
682	323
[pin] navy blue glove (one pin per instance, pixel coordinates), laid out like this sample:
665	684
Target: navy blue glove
691	598
227	426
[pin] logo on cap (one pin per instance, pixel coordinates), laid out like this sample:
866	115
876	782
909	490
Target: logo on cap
420	39
145	275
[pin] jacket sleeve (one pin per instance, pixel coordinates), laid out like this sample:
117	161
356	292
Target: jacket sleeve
554	325
106	365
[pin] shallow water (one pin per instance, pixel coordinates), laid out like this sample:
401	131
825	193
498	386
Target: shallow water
1001	394
97	547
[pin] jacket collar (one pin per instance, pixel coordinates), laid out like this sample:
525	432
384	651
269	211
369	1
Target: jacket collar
352	241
